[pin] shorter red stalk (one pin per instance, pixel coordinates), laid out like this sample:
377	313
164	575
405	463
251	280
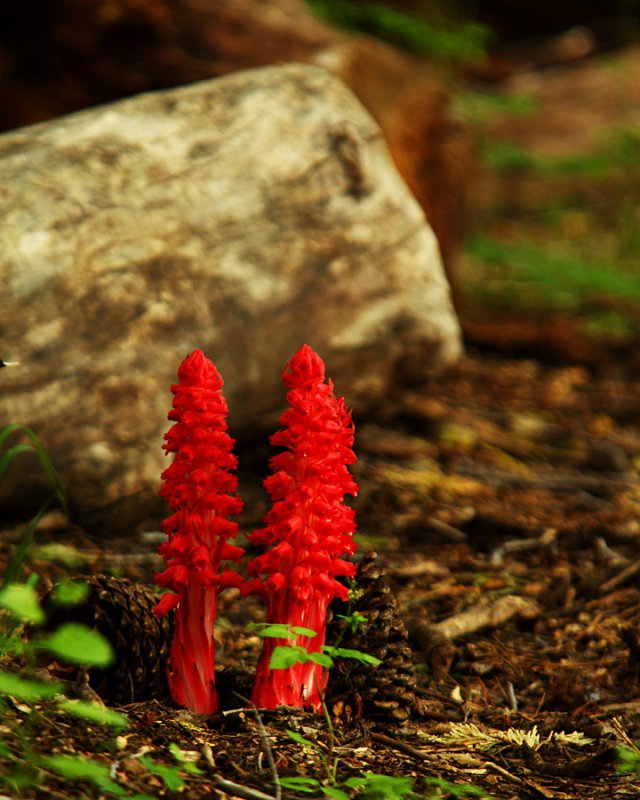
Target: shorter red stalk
197	487
307	531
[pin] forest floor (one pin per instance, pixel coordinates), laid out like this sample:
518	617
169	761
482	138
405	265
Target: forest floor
503	499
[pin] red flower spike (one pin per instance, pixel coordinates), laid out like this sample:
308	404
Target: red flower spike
197	487
307	530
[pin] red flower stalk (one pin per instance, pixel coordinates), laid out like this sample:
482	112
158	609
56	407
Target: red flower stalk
307	530
197	487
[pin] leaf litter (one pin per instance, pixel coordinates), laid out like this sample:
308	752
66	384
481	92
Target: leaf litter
521	603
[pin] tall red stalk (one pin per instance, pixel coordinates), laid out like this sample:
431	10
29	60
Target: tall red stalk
197	487
307	530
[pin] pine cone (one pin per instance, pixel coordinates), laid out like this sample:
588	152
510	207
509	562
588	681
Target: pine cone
385	691
122	611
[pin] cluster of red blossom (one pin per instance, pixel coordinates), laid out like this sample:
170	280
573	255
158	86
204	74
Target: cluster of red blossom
305	535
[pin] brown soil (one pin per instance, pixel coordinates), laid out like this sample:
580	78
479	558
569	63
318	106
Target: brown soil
503	499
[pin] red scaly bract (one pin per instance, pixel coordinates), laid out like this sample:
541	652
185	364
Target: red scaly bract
307	530
197	487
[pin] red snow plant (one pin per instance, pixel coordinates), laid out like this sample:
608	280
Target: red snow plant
198	487
307	531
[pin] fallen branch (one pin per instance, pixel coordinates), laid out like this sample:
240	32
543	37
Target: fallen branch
267	746
489	615
436	641
238	790
628	572
403	747
546	540
580	768
598	485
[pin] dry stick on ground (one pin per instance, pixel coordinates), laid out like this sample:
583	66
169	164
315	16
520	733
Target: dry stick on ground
556	481
580	768
267	746
620	578
238	790
403	747
489	615
491	765
546	540
407	749
435	641
438	636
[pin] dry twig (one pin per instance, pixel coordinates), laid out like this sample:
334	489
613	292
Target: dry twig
238	790
580	768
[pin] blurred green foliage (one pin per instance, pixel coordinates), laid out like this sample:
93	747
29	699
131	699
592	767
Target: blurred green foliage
531	275
617	153
556	233
549	275
458	42
480	106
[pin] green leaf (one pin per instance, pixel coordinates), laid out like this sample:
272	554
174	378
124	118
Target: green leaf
78	644
320	658
14	565
278	630
185	763
27	689
64	554
458	789
283	657
12	644
22	600
59	492
48	467
9	455
274	631
95	713
81	768
345	652
355	783
170	775
299	631
628	760
335	793
353	620
387	787
300	783
70	593
301	740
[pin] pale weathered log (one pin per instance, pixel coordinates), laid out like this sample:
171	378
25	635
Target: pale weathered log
244	216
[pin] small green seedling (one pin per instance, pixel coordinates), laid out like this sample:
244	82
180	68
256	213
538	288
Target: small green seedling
59	492
382	787
171	774
81	768
278	631
457	789
42	698
370	785
629	759
284	656
22	767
